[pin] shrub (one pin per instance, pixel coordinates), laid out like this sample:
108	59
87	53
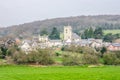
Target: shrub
9	60
117	54
41	56
81	55
90	59
11	50
70	58
111	58
45	56
1	54
90	56
73	48
19	57
117	61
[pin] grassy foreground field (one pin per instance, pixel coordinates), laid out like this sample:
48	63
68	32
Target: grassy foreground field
111	31
59	73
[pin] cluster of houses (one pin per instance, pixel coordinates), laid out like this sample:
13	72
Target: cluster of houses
70	38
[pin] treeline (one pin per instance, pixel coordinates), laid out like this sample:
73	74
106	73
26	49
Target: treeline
54	34
70	55
78	23
14	55
86	55
98	34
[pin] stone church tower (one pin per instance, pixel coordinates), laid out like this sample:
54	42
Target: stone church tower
67	33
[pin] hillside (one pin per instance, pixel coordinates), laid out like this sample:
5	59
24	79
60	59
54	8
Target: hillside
78	23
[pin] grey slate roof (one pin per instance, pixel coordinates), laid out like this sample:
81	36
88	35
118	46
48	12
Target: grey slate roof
55	40
116	44
75	36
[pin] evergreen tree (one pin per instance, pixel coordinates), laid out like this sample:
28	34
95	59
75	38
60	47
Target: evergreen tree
108	37
91	33
98	33
4	51
86	33
103	50
54	34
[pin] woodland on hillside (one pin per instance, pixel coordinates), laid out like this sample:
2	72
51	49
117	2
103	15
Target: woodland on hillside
79	23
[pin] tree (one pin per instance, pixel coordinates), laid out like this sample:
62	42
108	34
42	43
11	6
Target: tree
54	34
116	36
91	33
98	33
85	34
103	50
108	37
0	53
88	33
43	32
4	51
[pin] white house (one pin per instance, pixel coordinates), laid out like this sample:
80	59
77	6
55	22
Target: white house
26	47
55	43
43	38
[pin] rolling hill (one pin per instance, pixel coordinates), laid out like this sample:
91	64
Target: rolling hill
78	24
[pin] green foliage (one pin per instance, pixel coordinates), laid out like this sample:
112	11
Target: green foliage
54	34
7	51
41	56
108	37
88	33
12	50
91	33
78	49
73	48
80	55
111	58
0	53
19	57
71	59
43	32
103	50
4	52
98	33
90	56
85	34
58	53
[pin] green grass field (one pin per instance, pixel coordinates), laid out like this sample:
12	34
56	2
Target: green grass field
111	31
59	73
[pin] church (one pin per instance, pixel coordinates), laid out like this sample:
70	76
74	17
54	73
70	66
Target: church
69	35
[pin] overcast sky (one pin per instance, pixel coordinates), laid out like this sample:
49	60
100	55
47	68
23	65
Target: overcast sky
14	12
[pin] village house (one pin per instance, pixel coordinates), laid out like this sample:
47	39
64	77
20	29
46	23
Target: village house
114	47
43	38
95	43
26	46
55	43
70	38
